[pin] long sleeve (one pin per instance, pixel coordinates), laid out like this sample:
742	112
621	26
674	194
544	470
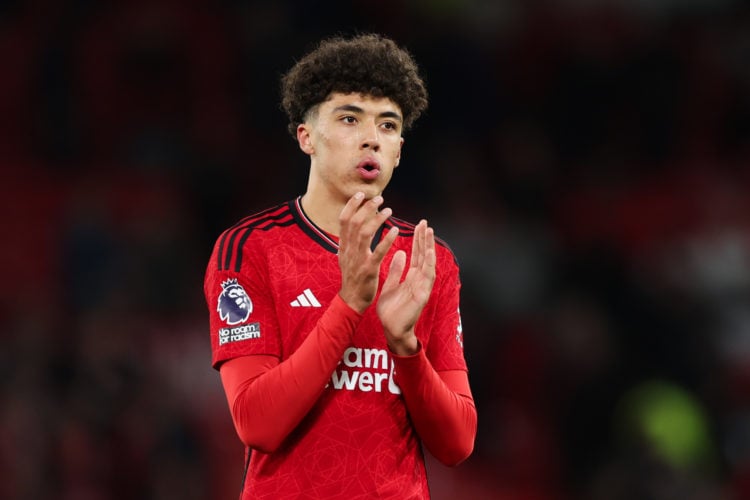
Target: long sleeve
440	405
268	399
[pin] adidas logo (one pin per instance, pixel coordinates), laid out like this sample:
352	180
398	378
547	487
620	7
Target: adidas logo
305	299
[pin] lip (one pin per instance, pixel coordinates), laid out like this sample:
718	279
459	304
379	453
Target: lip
368	168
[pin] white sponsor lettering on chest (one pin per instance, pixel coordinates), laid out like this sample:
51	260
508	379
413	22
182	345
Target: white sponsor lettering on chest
366	370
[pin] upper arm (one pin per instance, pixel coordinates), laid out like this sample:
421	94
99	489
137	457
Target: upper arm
242	314
238	372
445	348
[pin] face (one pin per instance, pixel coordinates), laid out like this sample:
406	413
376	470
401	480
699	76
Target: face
239	297
354	142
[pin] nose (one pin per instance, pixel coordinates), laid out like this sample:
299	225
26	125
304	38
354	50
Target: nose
369	136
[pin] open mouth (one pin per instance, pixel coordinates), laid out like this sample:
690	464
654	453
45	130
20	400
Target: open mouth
368	169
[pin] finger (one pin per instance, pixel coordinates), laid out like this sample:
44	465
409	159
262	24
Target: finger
395	270
351	206
368	209
417	248
364	222
371	221
430	256
385	244
346	215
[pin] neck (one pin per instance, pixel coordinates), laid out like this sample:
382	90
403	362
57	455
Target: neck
323	213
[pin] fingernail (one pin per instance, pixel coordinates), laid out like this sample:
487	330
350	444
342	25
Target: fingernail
358	195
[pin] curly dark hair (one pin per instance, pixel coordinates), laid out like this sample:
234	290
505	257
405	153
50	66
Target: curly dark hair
368	64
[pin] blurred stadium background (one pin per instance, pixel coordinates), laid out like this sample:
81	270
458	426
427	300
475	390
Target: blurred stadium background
588	161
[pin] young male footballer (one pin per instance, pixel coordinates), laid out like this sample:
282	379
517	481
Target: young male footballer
335	326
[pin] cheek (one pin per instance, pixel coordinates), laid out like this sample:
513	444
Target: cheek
328	143
387	173
396	153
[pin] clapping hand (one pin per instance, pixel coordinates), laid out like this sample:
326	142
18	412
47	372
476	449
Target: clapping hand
402	300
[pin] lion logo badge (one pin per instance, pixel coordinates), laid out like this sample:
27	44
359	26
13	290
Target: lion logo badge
234	305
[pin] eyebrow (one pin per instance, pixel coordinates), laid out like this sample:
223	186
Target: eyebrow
356	109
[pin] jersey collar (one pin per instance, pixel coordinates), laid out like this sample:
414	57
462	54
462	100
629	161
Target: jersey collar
323	238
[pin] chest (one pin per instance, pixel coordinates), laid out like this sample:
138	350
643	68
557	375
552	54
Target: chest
304	280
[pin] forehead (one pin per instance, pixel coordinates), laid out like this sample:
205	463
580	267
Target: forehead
366	102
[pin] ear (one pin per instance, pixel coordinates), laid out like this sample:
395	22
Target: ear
398	155
304	138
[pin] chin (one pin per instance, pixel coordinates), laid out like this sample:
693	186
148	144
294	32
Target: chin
370	189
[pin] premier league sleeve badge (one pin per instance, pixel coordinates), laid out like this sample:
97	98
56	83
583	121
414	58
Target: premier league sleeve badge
234	305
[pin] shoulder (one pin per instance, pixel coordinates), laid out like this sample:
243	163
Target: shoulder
406	231
229	246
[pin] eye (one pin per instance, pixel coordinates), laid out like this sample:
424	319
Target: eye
348	119
390	126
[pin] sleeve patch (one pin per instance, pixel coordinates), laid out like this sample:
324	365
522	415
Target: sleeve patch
233	305
244	332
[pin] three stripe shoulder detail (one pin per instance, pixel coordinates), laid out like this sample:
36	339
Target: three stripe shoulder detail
232	241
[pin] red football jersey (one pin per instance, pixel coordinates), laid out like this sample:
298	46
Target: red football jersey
270	278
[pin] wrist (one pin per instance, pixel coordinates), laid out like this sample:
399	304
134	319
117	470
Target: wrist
355	303
404	346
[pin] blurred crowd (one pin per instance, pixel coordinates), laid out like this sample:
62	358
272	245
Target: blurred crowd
588	162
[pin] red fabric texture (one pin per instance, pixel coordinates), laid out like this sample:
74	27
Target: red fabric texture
268	399
441	406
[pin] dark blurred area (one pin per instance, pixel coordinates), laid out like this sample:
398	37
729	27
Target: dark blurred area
588	162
